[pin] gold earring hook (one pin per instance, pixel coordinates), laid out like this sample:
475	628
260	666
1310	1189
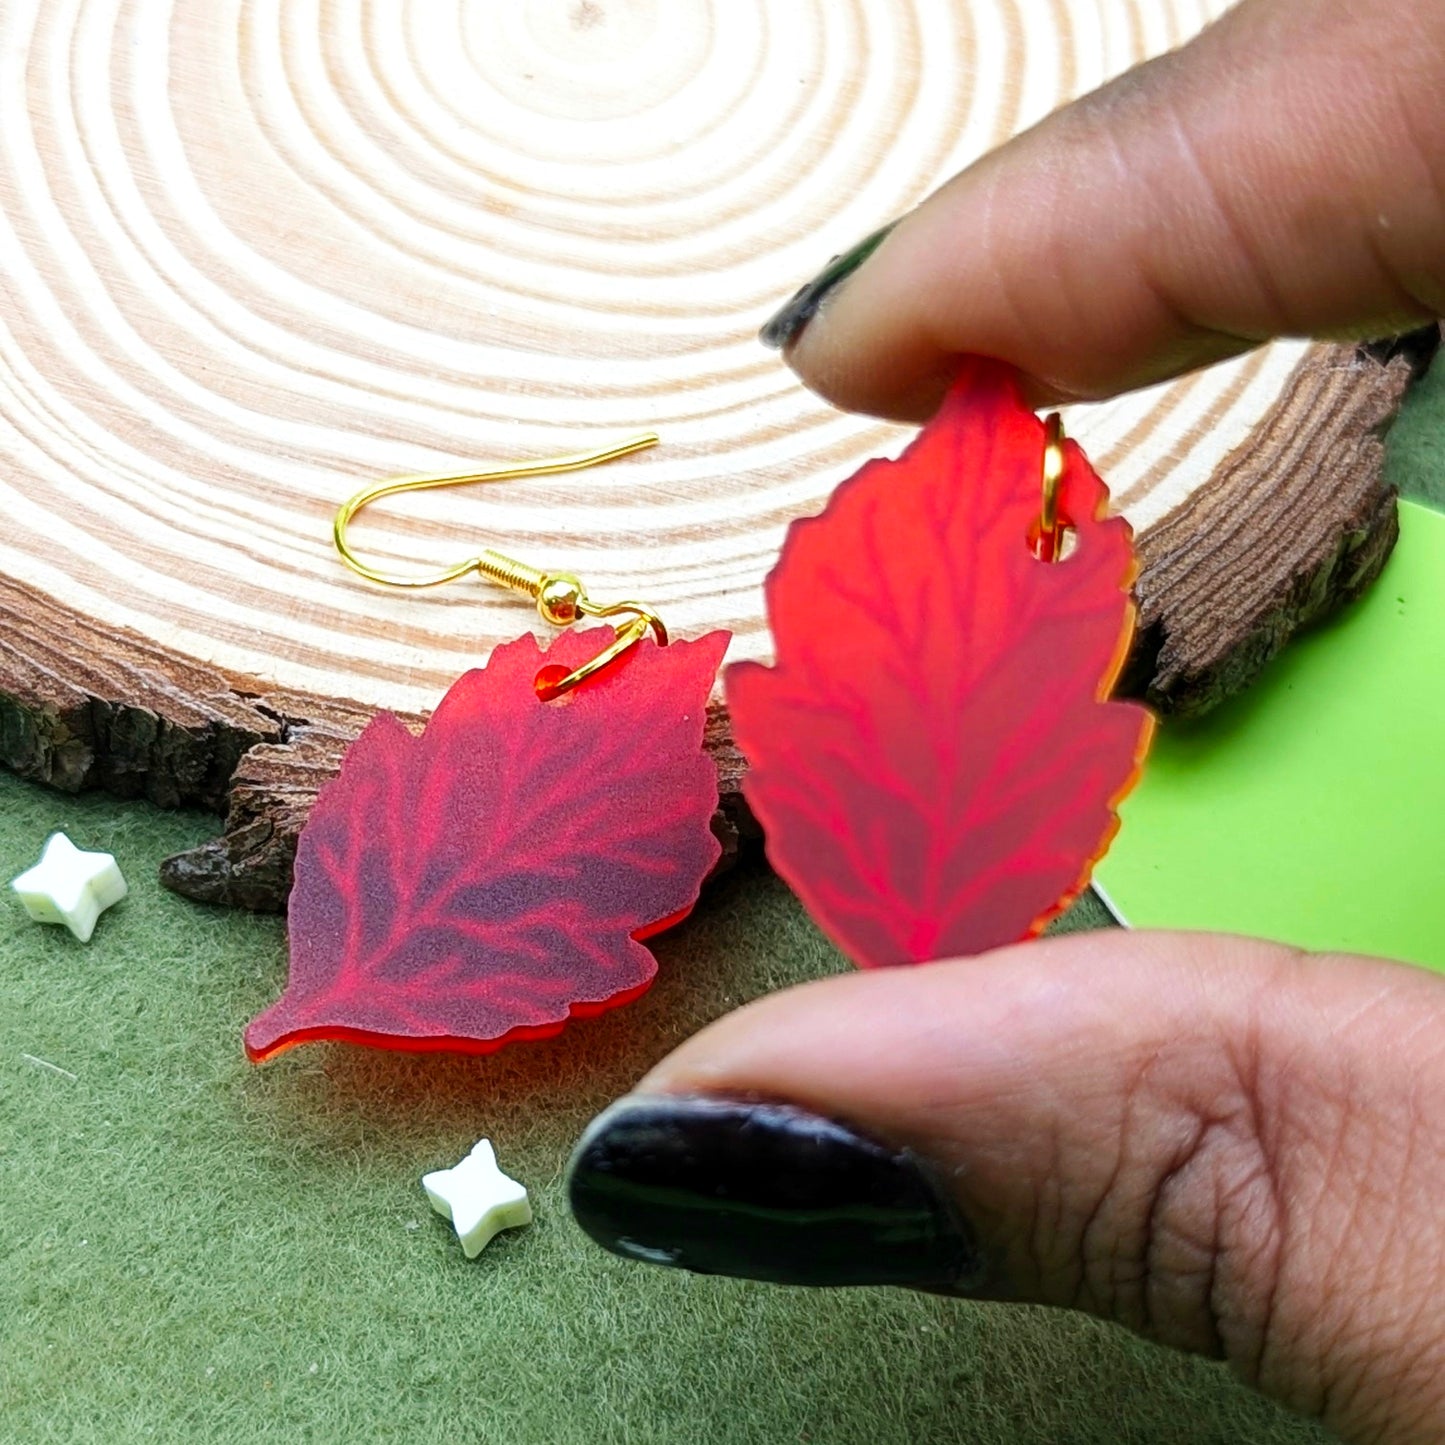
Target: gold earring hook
560	597
1051	539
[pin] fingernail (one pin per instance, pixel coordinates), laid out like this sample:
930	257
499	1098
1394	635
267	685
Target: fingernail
785	327
764	1191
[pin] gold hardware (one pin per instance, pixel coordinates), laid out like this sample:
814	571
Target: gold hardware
1051	534
560	597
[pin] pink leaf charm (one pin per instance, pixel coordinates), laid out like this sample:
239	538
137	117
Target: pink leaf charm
491	878
934	756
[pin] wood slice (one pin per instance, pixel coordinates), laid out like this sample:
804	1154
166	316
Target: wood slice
253	255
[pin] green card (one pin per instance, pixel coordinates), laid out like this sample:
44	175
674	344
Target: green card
1312	808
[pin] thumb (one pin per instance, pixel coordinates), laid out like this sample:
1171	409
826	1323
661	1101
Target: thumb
1284	174
1229	1147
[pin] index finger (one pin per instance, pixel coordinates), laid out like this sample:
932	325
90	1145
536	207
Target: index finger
1283	175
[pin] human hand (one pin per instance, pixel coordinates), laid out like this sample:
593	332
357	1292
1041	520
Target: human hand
1283	175
1231	1147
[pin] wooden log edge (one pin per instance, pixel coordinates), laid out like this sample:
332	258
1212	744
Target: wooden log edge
1293	525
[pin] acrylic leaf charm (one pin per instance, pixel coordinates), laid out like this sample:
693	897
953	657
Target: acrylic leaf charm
933	757
491	878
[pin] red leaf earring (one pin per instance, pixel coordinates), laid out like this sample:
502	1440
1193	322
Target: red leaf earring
495	876
937	768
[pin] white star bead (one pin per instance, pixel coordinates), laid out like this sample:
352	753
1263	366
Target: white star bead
478	1198
70	886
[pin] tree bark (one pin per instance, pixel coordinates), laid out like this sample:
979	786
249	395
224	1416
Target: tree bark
1292	526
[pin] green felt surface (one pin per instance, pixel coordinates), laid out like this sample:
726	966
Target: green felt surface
1417	442
1311	809
193	1249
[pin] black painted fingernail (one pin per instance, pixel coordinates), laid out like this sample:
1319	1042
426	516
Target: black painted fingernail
787	325
764	1191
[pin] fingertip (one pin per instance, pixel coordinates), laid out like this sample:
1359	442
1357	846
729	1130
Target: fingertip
768	1191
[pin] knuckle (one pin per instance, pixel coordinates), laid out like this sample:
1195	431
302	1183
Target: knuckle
1187	1245
1262	1201
1177	1227
1264	1189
